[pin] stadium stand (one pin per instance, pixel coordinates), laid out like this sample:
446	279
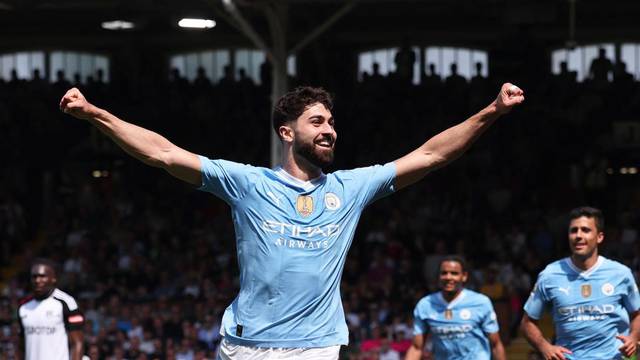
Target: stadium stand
151	260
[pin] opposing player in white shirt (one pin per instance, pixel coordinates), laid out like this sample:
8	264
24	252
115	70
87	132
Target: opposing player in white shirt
50	318
294	224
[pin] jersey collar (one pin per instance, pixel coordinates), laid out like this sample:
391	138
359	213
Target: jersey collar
50	294
451	304
290	179
589	271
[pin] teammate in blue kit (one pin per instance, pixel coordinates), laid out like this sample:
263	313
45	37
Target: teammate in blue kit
294	224
461	322
592	299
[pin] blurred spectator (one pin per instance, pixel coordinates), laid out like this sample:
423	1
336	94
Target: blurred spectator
209	333
601	67
387	352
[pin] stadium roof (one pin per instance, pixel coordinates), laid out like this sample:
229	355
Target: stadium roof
24	23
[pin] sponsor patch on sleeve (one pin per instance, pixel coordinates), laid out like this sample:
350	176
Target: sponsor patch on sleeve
74	319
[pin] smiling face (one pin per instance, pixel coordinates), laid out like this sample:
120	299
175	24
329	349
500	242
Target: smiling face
312	135
584	237
452	277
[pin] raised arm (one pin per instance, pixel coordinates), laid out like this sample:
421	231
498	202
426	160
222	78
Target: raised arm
529	327
144	145
453	142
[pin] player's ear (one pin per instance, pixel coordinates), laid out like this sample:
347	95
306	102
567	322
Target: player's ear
600	237
286	133
465	275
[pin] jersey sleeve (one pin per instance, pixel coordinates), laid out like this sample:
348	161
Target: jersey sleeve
630	295
19	313
534	307
73	317
21	327
419	325
373	182
225	179
490	320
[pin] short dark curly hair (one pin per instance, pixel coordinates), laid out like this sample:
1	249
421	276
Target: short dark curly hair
588	212
454	258
292	104
47	262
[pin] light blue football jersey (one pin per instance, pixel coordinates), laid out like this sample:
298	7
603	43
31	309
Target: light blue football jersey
589	308
458	329
292	239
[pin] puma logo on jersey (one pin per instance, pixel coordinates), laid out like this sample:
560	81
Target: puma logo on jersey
564	290
274	198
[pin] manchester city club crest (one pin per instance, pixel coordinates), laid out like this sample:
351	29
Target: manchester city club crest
331	201
448	314
465	314
607	289
304	205
586	290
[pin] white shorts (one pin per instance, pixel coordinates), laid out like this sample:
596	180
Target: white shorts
230	351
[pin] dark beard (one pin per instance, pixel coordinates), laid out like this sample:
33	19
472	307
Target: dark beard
306	150
44	295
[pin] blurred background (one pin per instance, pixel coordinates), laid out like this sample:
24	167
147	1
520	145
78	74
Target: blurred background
152	261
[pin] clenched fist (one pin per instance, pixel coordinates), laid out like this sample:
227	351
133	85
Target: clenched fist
509	96
74	104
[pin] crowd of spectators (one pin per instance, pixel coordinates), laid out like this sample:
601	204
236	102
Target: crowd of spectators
152	262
